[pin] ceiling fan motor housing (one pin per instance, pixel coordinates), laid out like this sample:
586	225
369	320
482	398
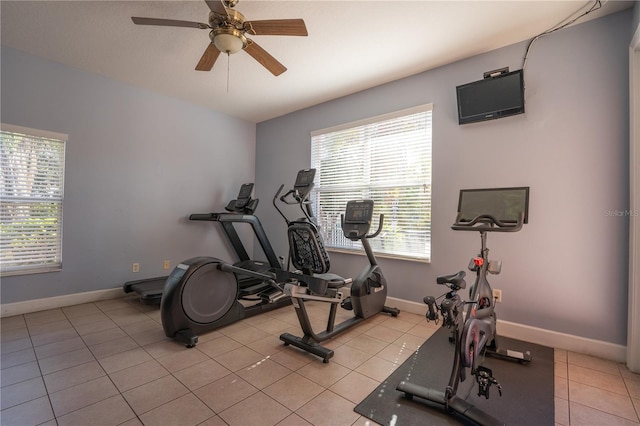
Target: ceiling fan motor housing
228	31
233	19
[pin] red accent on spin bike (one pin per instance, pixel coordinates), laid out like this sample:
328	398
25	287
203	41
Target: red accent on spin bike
478	261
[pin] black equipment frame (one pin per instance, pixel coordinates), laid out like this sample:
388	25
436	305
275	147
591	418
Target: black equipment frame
475	332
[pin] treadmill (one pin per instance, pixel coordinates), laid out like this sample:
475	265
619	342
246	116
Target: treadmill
240	210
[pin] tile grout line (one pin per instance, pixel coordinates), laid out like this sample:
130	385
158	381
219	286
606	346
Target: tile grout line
636	407
105	372
259	390
44	383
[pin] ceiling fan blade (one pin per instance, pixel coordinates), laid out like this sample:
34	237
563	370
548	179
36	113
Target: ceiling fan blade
286	27
216	6
208	58
267	61
168	22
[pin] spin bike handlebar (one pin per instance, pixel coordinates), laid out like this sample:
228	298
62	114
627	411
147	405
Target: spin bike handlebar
487	223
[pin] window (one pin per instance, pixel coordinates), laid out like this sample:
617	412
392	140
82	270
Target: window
31	195
386	159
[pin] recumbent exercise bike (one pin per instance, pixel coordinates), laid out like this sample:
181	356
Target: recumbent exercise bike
368	291
474	333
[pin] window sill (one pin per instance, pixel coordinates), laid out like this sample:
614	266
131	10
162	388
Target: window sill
17	272
380	255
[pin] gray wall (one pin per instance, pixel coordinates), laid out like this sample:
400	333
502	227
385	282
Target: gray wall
567	269
137	163
636	16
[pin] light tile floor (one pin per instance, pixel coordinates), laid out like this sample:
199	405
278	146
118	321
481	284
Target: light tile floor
109	363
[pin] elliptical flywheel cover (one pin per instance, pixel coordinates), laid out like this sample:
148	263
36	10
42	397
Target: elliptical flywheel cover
208	293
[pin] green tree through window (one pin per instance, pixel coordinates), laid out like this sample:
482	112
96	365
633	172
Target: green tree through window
386	159
31	197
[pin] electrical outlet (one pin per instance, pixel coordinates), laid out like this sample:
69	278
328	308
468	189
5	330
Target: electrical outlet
135	267
497	295
166	265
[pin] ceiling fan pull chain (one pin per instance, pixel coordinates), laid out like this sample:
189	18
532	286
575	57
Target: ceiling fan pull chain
228	70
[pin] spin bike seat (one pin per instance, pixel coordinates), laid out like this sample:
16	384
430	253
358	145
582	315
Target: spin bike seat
456	280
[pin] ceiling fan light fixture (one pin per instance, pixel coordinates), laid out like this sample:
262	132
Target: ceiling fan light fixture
228	40
227	34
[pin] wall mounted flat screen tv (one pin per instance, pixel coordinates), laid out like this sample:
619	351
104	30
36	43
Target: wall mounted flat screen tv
491	98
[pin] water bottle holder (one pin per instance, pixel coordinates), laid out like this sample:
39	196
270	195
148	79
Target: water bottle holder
494	267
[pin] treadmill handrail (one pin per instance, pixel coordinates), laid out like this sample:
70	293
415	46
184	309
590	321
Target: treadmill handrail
228	219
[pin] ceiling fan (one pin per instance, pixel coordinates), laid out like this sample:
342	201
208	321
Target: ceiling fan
228	28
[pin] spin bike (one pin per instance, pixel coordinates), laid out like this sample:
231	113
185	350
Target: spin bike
368	291
473	333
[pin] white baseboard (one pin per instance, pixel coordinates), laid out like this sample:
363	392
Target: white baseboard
554	339
28	306
407	306
540	336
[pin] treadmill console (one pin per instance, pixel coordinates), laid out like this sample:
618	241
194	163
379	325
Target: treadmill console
245	191
244	203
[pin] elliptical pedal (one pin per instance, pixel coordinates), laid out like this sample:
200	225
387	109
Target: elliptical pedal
272	295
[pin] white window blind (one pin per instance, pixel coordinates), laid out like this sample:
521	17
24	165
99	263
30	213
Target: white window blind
386	159
31	197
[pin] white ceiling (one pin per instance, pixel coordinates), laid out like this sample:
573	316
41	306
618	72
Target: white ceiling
352	45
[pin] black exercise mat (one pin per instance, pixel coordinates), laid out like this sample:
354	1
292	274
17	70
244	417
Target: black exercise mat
527	389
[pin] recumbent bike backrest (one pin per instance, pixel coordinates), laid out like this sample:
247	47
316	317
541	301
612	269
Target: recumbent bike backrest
306	248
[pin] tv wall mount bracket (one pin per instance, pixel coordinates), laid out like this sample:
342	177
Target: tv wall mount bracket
496	73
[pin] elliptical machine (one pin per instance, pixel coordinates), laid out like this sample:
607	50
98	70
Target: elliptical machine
368	291
204	293
474	333
240	210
